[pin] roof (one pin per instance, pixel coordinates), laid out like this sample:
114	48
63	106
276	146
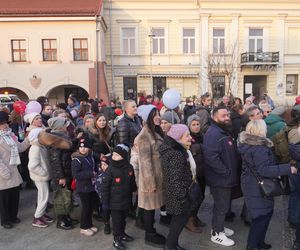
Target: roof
24	8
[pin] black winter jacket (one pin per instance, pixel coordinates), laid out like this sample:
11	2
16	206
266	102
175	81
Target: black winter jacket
177	176
59	148
196	151
128	129
117	186
83	169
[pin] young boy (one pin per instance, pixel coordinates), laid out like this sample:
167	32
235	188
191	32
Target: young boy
98	183
117	186
84	171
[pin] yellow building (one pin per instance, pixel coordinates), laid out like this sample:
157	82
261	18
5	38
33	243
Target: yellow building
221	46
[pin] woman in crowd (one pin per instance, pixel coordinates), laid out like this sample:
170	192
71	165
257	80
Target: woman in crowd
259	160
10	178
85	109
106	134
177	165
194	223
150	177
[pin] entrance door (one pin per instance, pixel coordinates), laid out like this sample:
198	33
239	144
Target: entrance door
159	86
255	85
130	88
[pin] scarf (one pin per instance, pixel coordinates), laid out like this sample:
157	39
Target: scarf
14	152
192	164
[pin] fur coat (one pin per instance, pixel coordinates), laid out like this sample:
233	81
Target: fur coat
149	174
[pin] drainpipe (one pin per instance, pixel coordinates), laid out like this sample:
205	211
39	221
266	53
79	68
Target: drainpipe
111	52
97	57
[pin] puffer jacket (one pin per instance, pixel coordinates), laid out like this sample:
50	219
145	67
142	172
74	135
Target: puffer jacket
117	186
83	169
59	147
257	154
128	129
177	176
274	124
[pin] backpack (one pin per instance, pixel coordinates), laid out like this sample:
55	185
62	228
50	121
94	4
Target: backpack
281	146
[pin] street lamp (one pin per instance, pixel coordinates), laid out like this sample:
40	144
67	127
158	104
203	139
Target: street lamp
151	35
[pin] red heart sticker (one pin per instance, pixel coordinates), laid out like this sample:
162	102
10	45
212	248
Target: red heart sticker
130	173
117	180
230	143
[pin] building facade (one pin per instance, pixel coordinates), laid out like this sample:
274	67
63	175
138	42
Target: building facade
220	46
52	48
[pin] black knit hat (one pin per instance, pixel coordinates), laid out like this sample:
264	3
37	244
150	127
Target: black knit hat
3	117
122	150
85	141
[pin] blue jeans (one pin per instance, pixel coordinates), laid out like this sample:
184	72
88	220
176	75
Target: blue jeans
294	201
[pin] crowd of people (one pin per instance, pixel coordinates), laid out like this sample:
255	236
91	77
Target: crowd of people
149	158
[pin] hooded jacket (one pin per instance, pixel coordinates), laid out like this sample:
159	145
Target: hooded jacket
274	124
257	154
59	146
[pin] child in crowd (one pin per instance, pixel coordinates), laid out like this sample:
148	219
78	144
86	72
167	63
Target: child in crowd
84	171
98	182
117	186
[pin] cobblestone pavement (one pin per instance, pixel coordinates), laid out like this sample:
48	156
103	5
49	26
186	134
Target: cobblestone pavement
24	236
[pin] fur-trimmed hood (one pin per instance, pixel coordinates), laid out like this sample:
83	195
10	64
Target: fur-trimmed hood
54	140
254	140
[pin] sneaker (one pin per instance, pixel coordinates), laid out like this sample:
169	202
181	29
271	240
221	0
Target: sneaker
39	222
87	232
64	225
94	229
228	232
47	218
107	228
221	239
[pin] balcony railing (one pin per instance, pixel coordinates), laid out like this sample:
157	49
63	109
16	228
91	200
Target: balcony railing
250	58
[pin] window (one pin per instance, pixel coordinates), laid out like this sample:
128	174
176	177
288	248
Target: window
49	49
218	41
291	84
188	40
128	41
218	84
80	49
159	41
18	48
255	40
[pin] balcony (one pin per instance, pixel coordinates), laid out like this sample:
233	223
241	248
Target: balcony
260	60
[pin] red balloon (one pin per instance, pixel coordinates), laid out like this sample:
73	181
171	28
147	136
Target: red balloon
118	111
297	100
19	107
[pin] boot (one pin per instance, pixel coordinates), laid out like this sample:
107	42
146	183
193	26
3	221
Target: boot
107	228
191	226
252	248
198	222
296	246
139	222
72	221
118	244
63	223
155	240
165	220
265	245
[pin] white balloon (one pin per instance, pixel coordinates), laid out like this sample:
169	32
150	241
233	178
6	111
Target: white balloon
33	107
171	98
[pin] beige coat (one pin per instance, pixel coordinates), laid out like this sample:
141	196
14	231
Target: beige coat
150	176
38	165
9	174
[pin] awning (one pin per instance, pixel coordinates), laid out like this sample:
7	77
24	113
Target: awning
169	74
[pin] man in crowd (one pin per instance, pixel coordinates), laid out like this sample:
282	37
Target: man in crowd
220	168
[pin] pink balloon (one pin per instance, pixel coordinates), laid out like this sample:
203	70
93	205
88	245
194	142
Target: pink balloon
33	107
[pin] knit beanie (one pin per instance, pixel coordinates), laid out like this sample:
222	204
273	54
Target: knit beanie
122	150
57	123
193	118
167	116
177	131
85	141
30	117
105	159
144	111
3	117
279	111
